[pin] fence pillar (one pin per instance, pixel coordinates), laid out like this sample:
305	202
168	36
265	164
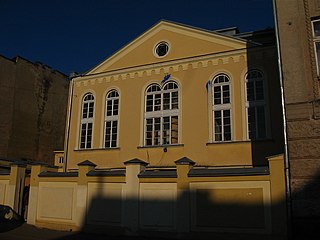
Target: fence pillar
183	191
278	194
36	169
82	191
14	194
131	194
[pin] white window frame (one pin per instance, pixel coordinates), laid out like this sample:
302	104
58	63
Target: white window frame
255	104
86	121
159	114
112	118
316	40
222	108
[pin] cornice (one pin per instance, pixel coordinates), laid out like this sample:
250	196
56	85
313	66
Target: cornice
173	66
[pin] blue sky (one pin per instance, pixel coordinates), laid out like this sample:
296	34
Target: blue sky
76	35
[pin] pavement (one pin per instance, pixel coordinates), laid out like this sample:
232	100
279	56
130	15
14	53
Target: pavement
29	232
24	231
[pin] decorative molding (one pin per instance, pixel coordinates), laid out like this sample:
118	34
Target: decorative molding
160	69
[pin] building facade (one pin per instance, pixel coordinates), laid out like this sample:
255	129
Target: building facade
33	110
299	25
174	92
174	135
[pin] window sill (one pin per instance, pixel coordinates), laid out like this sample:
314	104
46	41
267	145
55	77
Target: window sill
227	142
97	149
241	141
162	146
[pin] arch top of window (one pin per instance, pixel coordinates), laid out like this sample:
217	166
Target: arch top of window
113	94
170	85
88	97
221	78
254	74
153	88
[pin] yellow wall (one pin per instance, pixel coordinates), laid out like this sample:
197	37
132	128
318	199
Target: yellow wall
191	74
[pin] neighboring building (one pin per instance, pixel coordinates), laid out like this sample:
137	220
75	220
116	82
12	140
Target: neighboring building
299	39
33	104
180	91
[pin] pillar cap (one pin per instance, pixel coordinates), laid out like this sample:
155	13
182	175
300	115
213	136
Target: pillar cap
136	161
184	161
87	163
18	163
38	163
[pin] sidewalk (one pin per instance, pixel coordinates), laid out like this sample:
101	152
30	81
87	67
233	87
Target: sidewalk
29	232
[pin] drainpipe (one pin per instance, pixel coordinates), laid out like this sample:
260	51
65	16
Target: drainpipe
66	139
286	157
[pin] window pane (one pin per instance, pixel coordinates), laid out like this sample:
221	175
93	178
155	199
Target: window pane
89	135
251	123
217	95
109	108
166	130
174	130
261	122
174	100
149	103
259	90
149	130
166	101
85	110
316	28
226	94
218	126
157	102
227	126
250	91
115	107
157	133
91	104
318	55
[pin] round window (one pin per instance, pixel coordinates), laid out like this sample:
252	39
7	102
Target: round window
162	49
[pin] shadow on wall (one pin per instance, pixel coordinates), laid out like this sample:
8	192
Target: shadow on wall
263	103
231	213
208	215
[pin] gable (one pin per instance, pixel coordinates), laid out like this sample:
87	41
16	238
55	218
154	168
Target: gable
183	42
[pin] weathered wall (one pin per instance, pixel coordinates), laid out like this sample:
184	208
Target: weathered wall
33	110
7	83
301	92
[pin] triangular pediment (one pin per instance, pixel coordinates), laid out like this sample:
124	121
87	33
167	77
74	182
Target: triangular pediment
184	42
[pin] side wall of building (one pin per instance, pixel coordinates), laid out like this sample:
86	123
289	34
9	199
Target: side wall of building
33	110
301	92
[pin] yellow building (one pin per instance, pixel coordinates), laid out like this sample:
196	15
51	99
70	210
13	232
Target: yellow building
178	91
173	134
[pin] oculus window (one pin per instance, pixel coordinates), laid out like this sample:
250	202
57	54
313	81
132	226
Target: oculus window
161	49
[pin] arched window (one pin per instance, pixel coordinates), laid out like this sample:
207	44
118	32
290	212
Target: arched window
161	114
111	119
221	108
87	121
256	105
